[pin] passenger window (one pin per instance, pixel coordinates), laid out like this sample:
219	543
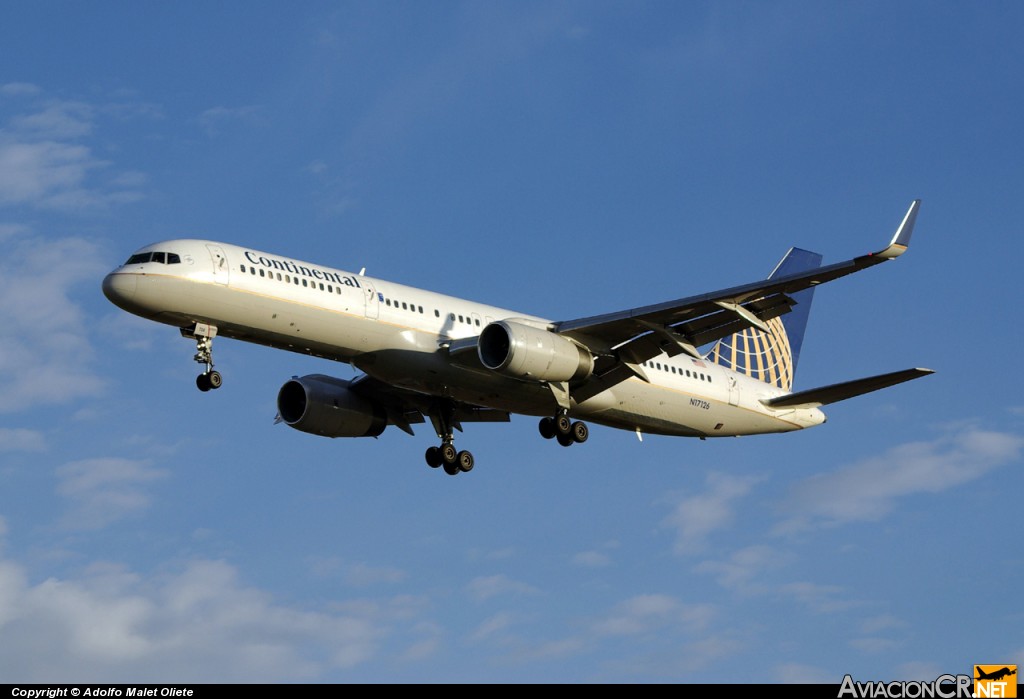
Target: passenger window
252	271
287	279
437	313
305	283
421	309
278	275
262	274
296	280
321	286
452	316
242	267
404	306
330	289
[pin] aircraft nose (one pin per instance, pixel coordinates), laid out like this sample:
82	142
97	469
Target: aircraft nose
119	288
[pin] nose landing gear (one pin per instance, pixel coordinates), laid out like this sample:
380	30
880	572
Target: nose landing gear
203	334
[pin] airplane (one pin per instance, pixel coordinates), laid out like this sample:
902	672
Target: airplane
424	355
996	675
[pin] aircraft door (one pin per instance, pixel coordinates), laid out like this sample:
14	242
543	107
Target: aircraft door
220	264
734	391
372	301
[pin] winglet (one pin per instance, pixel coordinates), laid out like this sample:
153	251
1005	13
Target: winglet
901	239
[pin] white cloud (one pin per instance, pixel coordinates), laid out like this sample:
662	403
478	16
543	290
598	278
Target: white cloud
363	575
105	490
12	230
797	673
644	613
44	164
920	671
199	624
216	118
21	439
14	89
882	622
486	587
58	120
744	569
591	559
47	356
870	489
820	598
493	625
695	518
874	645
45	173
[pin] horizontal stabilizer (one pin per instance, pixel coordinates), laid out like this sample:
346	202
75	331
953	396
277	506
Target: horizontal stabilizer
841	391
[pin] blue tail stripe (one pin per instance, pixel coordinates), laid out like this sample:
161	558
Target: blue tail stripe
795	322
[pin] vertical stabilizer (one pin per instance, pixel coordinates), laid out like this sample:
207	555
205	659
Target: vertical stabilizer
772	356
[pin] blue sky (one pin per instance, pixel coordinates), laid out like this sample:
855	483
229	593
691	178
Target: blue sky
563	159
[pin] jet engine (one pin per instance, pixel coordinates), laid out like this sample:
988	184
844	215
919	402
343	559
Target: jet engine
527	352
327	406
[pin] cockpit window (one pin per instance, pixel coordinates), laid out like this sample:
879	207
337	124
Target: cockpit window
164	258
139	258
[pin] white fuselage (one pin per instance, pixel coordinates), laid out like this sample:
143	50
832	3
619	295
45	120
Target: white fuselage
401	335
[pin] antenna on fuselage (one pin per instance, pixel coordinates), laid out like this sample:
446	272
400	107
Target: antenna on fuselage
362	272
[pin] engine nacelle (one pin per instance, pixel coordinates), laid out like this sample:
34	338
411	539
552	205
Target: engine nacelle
326	406
527	352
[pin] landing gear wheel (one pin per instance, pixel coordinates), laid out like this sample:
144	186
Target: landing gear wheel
449	455
203	382
465	461
563	425
547	427
565	440
580	432
433	457
452	469
214	379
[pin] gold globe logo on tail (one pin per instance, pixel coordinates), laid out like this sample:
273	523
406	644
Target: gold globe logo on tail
765	356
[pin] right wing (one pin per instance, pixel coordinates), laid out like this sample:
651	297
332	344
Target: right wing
625	339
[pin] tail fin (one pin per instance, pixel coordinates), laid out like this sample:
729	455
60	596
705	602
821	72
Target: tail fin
772	356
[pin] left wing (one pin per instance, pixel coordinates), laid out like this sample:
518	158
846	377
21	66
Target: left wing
816	397
627	338
406	407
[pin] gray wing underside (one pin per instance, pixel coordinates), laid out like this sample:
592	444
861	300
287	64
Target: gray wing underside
406	408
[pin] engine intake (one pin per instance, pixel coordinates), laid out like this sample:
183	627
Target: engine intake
327	406
527	352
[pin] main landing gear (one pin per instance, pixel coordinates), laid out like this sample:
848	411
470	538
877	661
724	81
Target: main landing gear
446	455
564	430
203	334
